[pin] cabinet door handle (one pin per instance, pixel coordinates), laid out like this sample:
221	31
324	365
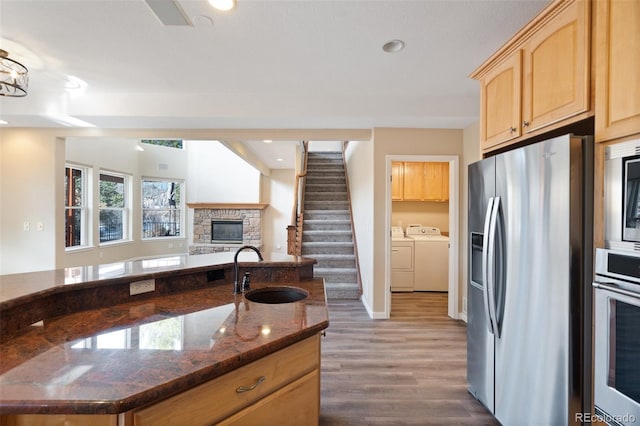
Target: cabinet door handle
513	129
242	389
525	124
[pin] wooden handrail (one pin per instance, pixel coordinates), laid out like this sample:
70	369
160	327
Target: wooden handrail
294	231
295	211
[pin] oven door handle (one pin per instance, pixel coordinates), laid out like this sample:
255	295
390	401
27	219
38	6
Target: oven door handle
615	289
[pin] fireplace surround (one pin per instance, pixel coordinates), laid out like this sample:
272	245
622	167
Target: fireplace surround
226	220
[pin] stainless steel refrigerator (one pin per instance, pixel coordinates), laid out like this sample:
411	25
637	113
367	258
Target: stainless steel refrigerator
529	286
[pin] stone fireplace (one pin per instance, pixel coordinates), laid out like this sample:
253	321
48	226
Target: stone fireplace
205	215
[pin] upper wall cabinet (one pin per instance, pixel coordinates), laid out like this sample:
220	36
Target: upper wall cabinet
557	69
617	69
540	79
397	180
417	181
501	113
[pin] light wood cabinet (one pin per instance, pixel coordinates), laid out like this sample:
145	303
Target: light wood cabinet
617	69
436	181
290	405
539	80
500	102
557	68
397	180
282	386
420	181
413	184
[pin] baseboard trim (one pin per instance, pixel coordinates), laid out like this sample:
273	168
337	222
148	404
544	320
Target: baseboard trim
371	312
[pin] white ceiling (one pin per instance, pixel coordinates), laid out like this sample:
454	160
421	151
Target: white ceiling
267	64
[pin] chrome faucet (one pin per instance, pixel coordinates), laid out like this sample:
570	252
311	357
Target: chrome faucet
236	288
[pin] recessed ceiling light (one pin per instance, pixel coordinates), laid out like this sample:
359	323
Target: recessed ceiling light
223	4
2	122
279	159
268	141
393	46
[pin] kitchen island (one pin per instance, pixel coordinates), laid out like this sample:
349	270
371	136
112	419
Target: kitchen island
188	352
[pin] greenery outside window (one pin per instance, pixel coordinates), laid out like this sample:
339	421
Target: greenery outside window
114	207
161	208
75	199
169	143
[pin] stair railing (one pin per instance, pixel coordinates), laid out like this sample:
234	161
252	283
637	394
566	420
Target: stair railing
353	229
294	231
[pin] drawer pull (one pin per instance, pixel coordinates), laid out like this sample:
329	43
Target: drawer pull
241	389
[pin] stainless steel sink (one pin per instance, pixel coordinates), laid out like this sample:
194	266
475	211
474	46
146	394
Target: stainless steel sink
276	294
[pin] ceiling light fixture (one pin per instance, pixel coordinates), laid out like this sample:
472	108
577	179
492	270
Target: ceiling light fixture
14	77
268	141
223	4
393	46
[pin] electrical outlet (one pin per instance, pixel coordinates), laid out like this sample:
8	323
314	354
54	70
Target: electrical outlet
144	286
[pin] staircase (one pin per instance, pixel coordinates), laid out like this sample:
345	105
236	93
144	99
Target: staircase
327	234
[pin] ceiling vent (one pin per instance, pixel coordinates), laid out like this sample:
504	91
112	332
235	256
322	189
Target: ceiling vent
168	12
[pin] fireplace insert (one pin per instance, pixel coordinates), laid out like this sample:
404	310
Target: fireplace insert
226	231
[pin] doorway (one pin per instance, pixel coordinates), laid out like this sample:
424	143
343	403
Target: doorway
453	226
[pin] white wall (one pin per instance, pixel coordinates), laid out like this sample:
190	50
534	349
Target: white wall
122	156
359	165
217	175
425	213
278	192
471	153
390	141
32	162
31	188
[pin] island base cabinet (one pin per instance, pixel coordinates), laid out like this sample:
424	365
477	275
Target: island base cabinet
295	404
263	386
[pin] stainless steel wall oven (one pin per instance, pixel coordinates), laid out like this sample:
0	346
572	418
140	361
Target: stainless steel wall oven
617	337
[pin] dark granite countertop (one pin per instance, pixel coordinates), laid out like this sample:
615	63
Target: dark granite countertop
17	287
116	358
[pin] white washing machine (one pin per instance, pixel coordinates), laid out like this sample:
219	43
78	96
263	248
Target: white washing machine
431	258
402	263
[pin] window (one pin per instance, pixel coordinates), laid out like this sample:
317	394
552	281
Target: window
75	201
114	214
169	143
161	208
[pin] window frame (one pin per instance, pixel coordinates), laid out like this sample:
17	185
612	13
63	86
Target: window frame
84	207
125	209
179	207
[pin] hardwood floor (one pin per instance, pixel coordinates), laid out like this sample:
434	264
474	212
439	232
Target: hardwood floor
410	369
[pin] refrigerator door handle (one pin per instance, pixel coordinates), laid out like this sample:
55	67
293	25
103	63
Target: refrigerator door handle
485	262
491	261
